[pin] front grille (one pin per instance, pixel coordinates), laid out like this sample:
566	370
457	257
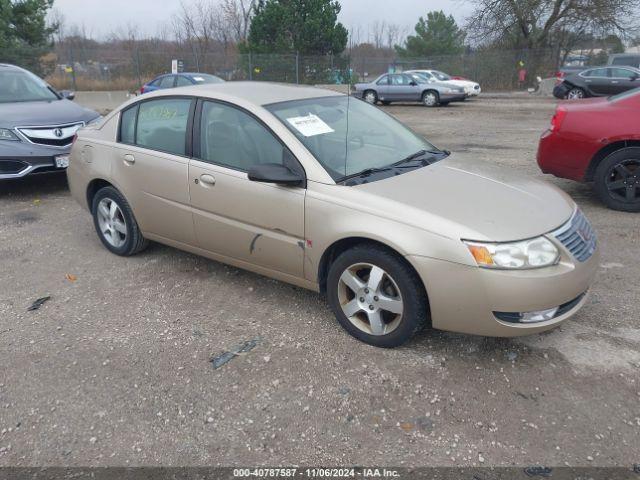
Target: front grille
578	237
52	136
9	167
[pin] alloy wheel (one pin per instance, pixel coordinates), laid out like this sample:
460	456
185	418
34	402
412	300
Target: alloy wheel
430	99
370	299
370	97
575	94
623	181
113	226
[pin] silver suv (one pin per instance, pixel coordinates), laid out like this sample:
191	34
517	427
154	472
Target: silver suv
37	124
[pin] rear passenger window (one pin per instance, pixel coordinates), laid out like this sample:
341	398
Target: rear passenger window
167	82
162	125
128	126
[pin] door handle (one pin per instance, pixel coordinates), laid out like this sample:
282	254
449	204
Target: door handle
129	159
208	180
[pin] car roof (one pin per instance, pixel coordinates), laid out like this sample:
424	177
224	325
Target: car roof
11	67
258	93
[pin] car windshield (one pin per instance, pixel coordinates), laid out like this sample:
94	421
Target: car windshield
347	135
441	75
19	86
206	78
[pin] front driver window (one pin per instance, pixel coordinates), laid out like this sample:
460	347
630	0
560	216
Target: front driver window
233	138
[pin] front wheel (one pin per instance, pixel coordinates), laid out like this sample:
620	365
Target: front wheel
115	223
376	296
431	98
617	180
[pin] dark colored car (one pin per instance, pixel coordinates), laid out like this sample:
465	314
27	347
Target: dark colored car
179	80
37	124
597	140
598	82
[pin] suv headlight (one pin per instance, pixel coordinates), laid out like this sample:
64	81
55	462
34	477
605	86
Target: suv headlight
527	254
6	134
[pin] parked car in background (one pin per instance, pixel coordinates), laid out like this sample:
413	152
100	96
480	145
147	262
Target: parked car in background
179	80
472	89
326	192
406	87
598	82
37	124
598	141
624	59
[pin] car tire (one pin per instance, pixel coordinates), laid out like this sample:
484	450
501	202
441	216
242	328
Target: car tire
115	224
576	93
370	96
617	180
431	98
384	311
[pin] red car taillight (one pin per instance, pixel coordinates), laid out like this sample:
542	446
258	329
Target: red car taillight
558	118
141	90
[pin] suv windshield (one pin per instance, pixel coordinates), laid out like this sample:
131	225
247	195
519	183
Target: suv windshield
348	136
18	86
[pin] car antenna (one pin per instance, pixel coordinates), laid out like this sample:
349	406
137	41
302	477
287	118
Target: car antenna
346	138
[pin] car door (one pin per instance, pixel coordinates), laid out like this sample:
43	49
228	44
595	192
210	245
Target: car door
622	79
151	166
597	81
258	223
382	87
402	88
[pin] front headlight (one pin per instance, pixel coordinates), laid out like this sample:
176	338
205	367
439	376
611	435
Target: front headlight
535	253
6	134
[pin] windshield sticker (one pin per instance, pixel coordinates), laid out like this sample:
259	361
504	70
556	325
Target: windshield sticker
310	126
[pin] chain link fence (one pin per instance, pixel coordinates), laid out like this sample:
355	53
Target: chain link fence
121	68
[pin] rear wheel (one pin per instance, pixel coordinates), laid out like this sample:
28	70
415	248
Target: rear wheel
576	93
617	180
115	223
430	98
376	296
370	96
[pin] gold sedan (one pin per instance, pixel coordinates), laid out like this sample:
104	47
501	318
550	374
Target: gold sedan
327	192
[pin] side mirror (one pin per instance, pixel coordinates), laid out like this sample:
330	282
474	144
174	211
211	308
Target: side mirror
274	173
68	94
413	84
634	77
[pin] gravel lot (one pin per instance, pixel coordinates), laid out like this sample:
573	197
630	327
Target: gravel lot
115	368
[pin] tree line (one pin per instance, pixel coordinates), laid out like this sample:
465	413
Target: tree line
29	29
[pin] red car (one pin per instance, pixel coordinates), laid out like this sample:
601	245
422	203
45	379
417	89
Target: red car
597	140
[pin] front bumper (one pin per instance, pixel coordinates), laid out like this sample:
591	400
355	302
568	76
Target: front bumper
453	97
19	159
466	298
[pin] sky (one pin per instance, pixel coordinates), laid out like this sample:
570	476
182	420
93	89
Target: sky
100	17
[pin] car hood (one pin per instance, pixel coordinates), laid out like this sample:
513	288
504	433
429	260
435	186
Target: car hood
471	200
31	114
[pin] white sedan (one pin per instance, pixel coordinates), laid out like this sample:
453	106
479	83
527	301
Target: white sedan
472	89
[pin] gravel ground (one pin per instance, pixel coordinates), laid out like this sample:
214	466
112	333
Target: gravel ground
115	368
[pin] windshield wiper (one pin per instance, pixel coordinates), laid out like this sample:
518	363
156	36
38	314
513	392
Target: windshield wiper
418	154
365	173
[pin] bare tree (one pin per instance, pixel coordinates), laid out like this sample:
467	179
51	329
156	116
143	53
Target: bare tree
237	15
378	29
395	34
539	23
